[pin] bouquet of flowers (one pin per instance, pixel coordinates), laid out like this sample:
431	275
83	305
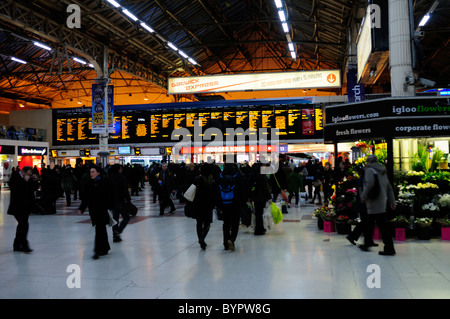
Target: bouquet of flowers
444	222
401	221
430	207
444	200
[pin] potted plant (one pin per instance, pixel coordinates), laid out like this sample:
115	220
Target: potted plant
343	225
423	227
400	224
445	227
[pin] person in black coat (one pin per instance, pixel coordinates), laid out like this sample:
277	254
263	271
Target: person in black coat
230	182
206	199
96	197
21	205
259	194
121	200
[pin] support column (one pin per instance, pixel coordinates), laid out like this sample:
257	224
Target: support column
400	48
103	138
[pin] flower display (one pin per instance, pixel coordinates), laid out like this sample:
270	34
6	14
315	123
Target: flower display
444	200
423	222
431	207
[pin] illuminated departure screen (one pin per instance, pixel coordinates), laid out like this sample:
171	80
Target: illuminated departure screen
166	126
294	122
254	121
155	126
74	126
280	121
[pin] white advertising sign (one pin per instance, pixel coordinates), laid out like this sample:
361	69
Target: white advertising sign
255	82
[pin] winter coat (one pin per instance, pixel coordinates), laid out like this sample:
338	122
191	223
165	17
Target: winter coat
97	198
295	183
22	196
386	195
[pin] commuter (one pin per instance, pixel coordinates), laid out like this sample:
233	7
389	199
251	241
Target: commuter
96	197
153	170
206	199
295	184
165	184
317	182
121	200
327	182
21	205
309	178
67	181
230	184
260	195
362	212
377	206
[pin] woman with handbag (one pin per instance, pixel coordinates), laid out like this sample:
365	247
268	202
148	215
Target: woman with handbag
205	200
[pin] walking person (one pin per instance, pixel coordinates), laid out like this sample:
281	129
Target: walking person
260	195
295	184
21	205
377	205
327	182
96	198
165	184
206	199
230	184
121	200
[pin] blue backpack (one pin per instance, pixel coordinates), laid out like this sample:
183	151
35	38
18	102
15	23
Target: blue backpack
227	186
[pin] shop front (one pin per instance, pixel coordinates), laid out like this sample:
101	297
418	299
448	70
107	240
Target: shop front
396	129
33	156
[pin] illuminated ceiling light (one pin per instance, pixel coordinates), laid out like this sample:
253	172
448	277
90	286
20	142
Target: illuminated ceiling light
282	16
293	55
91	65
291	46
145	98
22	105
79	60
170	44
424	20
43	46
129	14
285	27
192	61
146	27
18	60
79	102
114	3
184	55
278	4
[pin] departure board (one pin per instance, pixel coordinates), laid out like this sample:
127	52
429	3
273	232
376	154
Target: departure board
155	126
166	126
179	120
280	121
254	121
294	124
74	126
61	130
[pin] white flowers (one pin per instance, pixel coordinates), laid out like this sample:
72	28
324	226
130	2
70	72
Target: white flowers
444	201
431	207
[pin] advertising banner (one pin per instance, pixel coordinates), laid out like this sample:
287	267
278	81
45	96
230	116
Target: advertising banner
255	82
99	106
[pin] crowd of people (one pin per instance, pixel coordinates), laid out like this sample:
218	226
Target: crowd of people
228	189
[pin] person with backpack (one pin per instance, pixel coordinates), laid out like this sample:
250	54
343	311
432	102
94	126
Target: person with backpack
230	204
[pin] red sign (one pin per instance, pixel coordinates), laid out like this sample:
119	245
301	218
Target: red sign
308	121
229	149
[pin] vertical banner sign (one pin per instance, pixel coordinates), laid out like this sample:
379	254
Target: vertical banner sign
98	109
308	121
355	92
111	108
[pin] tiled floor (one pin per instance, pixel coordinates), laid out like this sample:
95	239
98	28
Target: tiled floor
159	257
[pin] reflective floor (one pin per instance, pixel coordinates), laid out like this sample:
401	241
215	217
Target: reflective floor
160	258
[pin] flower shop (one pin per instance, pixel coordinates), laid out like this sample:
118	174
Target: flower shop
414	147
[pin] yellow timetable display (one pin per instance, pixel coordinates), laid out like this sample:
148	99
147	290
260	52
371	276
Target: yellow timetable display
74	126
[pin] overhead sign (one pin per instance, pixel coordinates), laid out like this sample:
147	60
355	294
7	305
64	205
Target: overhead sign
99	106
29	150
255	82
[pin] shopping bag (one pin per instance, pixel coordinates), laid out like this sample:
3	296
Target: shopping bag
112	221
132	209
268	218
276	213
189	210
190	193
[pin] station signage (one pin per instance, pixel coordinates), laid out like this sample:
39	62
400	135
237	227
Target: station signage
255	82
30	151
229	149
